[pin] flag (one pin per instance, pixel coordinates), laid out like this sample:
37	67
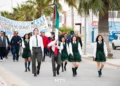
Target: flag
56	18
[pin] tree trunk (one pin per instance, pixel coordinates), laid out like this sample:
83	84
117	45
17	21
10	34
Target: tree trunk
72	16
103	29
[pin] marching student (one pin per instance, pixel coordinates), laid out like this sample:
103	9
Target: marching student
64	53
26	52
75	53
100	53
37	51
55	56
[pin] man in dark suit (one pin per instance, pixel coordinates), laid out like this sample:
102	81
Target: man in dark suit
3	45
15	46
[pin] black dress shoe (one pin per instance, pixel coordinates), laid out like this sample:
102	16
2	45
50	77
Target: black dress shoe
35	74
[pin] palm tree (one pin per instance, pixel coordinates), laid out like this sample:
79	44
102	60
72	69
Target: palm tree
102	8
72	4
23	12
42	6
30	10
6	14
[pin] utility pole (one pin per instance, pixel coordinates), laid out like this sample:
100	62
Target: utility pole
72	14
85	35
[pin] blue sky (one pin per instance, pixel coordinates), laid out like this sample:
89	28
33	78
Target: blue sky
6	4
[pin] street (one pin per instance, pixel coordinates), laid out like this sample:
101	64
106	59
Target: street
87	74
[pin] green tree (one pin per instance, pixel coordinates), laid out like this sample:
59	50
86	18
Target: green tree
42	6
30	10
102	8
66	29
23	12
6	14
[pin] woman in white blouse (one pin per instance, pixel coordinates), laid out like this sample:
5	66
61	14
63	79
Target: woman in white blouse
26	52
100	53
64	52
75	53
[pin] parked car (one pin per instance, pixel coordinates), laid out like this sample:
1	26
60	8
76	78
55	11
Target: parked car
116	42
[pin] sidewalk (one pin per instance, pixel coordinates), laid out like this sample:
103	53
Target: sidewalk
7	78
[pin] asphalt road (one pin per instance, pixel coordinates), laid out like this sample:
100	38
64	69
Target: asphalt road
87	74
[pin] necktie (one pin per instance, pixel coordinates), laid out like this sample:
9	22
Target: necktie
2	38
36	41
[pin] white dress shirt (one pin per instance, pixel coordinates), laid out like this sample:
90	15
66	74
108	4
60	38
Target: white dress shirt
52	44
33	42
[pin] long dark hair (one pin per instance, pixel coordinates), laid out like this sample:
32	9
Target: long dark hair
98	37
25	36
73	37
62	38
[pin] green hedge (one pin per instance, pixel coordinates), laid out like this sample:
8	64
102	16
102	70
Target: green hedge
65	29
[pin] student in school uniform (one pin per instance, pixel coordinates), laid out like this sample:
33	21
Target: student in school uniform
26	52
100	53
75	53
55	56
37	51
64	53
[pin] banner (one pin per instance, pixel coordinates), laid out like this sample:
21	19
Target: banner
22	27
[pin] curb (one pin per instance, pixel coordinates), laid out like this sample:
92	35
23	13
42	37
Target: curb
11	79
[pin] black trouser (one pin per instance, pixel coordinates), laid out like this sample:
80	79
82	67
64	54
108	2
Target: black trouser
55	60
15	52
2	52
45	52
36	56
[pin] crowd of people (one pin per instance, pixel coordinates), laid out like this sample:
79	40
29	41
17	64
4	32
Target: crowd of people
36	46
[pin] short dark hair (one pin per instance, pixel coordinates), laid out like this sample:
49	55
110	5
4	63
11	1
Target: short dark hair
98	37
35	29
